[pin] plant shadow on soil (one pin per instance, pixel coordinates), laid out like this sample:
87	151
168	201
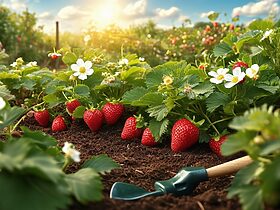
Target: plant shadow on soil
142	166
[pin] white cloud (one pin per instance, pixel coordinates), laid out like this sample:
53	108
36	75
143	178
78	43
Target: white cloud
136	9
182	18
167	13
261	7
206	14
164	27
44	15
71	12
17	5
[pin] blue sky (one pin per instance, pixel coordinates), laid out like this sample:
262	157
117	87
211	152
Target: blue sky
76	15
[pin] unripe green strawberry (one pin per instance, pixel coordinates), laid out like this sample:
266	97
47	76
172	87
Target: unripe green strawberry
112	112
58	124
42	117
148	138
215	144
94	119
130	131
184	134
72	105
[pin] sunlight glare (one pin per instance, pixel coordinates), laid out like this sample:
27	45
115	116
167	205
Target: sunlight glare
105	14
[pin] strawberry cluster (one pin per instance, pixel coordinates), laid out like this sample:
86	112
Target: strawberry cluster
93	118
184	133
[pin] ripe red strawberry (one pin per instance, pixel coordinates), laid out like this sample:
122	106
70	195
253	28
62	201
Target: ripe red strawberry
58	124
42	117
94	119
240	64
202	67
72	105
112	112
148	138
215	24
184	134
130	131
207	28
215	145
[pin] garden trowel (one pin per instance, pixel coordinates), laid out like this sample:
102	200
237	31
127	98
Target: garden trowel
183	183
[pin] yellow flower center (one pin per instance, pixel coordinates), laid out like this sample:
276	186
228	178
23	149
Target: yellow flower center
167	80
220	77
234	79
82	70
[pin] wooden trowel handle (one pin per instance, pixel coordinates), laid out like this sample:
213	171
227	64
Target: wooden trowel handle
228	167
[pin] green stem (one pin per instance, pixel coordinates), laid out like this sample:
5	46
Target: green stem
66	163
64	95
222	120
207	118
18	122
264	160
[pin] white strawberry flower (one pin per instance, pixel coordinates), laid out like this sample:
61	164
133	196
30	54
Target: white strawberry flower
123	62
87	38
2	103
266	34
14	64
219	76
32	64
70	151
252	72
141	59
234	78
82	69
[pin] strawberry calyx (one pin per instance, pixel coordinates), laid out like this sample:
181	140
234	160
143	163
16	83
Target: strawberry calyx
196	123
140	122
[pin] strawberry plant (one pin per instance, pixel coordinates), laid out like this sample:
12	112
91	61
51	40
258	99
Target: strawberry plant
35	158
258	135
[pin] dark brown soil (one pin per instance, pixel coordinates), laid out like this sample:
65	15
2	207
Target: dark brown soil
143	166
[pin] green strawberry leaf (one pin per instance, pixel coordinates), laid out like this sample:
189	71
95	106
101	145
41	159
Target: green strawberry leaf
101	164
261	25
159	112
158	128
149	99
215	100
85	185
205	88
82	90
79	112
38	138
5	93
52	100
222	49
203	137
237	142
9	116
132	73
69	58
37	194
250	196
213	16
133	95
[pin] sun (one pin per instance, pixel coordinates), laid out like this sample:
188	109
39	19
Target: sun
105	13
